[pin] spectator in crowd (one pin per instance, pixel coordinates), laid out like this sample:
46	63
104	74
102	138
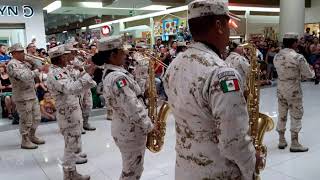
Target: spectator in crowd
158	45
307	35
40	87
4	58
6	90
48	108
93	50
269	60
182	46
173	50
42	53
32	49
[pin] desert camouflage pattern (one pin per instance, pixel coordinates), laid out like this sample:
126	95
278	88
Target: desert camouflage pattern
24	94
291	68
66	92
239	63
211	126
141	71
86	103
130	121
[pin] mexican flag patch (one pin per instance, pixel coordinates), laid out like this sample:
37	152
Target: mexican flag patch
230	85
122	83
57	77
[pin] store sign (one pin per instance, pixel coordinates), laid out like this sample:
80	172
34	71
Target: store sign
106	30
25	11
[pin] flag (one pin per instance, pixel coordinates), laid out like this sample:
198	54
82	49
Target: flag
230	85
121	83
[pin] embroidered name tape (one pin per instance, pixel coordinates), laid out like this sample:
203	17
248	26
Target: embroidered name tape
121	83
226	73
230	85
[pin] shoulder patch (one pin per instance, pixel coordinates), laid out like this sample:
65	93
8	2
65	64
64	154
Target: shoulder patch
230	85
122	83
226	73
58	77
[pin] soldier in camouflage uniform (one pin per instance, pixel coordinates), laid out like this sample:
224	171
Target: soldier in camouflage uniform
24	95
207	102
66	91
130	123
292	68
239	62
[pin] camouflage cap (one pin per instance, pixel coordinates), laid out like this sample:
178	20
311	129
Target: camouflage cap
201	8
16	47
58	51
110	43
291	35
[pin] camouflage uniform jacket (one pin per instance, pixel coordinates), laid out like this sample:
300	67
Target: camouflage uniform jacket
65	88
130	123
240	63
291	68
211	120
22	79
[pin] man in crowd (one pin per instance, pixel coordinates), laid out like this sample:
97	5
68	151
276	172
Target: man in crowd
292	68
207	102
4	58
23	93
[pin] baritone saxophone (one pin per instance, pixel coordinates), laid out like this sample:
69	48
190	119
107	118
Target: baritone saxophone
155	139
259	123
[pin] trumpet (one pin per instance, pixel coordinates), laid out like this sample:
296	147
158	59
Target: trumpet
38	60
150	54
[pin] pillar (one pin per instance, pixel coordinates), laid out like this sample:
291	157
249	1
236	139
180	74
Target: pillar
292	16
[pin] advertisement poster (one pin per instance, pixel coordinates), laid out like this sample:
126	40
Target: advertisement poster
158	28
170	26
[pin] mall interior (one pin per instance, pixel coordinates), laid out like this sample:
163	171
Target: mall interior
154	30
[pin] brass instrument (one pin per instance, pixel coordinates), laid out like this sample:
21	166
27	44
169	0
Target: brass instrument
259	123
155	139
38	60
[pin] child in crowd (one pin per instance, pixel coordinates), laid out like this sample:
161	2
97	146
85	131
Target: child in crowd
48	108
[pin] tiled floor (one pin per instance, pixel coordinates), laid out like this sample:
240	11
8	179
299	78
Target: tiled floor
105	161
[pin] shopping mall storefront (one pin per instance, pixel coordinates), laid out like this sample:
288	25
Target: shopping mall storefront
20	22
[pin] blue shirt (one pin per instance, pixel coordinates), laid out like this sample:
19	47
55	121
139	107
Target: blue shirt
4	58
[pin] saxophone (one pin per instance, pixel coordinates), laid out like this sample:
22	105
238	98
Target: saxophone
155	139
259	123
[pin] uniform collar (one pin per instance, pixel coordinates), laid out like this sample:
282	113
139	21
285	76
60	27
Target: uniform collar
235	53
206	48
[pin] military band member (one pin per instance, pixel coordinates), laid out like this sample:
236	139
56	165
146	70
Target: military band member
239	62
291	68
24	95
130	123
66	91
207	102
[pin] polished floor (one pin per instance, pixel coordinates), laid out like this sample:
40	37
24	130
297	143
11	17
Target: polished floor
105	161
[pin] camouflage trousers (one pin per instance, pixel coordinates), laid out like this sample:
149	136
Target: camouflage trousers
30	116
132	163
295	108
69	120
86	105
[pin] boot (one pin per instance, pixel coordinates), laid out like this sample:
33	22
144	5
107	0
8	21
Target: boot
72	174
81	160
88	127
109	114
295	145
83	155
282	141
26	143
35	139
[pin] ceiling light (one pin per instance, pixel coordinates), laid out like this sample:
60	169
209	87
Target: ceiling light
53	6
257	9
91	4
83	28
154	8
64	31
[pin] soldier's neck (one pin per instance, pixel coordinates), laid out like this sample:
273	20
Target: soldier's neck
213	48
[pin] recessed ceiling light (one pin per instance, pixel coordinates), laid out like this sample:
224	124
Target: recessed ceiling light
91	4
53	6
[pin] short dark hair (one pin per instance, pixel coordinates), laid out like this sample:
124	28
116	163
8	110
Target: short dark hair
288	43
92	45
103	57
233	46
56	60
199	26
2	45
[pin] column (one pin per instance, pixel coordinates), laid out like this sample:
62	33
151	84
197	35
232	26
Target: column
292	16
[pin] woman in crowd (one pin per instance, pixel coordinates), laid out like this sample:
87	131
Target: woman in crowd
48	108
6	89
269	60
131	123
